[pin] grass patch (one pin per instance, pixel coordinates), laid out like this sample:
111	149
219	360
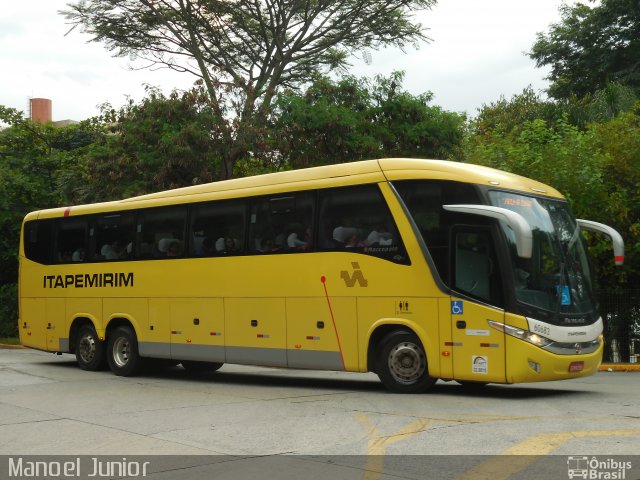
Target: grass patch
10	340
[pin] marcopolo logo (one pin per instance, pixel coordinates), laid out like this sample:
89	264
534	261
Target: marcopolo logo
350	280
597	469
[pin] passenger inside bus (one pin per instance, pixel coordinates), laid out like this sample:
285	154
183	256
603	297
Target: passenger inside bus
380	236
78	255
175	249
227	245
300	238
112	251
268	246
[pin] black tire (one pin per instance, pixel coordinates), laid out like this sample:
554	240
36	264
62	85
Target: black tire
193	366
90	351
122	352
402	363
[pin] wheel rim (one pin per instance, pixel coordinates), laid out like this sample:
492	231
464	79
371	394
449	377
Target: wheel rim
407	363
87	348
121	352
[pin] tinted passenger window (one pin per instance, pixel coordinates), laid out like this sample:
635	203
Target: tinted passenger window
114	236
282	224
357	219
38	239
424	199
71	240
161	232
218	229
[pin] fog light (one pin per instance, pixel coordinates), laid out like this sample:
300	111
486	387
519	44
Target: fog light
576	366
534	366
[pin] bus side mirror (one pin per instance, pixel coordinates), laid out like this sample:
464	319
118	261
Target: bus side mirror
616	238
515	221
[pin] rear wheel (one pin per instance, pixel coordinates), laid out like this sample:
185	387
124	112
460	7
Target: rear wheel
122	352
193	366
402	363
90	352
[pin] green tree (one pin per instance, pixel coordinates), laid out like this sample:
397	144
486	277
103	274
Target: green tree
160	143
36	165
409	126
558	154
618	140
355	119
601	105
509	115
327	123
245	51
591	47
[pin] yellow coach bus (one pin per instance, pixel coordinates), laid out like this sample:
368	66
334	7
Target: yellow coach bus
416	270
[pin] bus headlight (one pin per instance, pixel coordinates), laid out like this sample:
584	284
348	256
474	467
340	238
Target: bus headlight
522	334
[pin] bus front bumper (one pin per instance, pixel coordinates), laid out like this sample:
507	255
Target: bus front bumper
529	363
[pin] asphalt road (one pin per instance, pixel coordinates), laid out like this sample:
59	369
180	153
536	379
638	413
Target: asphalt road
48	406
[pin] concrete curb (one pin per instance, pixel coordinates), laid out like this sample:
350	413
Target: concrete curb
9	346
620	367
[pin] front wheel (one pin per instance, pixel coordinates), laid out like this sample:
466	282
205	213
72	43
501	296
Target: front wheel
402	363
89	349
122	352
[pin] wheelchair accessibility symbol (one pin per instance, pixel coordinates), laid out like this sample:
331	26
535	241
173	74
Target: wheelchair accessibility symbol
457	307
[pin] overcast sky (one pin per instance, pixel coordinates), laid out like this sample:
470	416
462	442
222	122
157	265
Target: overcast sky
476	55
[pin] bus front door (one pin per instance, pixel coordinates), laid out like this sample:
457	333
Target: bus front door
478	350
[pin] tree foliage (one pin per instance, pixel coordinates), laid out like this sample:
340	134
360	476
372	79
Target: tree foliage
37	165
356	119
161	143
168	142
509	115
591	47
245	51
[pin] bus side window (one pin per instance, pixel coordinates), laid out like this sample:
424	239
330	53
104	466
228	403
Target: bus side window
424	199
71	240
114	236
161	232
357	219
282	224
217	228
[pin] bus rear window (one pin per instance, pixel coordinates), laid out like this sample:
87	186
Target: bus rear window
38	240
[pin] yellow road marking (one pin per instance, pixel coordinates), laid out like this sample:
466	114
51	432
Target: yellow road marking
377	443
545	443
528	451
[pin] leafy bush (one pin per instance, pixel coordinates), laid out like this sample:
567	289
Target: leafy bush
9	310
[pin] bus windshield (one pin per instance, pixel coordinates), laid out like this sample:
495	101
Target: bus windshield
557	277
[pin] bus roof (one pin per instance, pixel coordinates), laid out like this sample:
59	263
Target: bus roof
367	171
